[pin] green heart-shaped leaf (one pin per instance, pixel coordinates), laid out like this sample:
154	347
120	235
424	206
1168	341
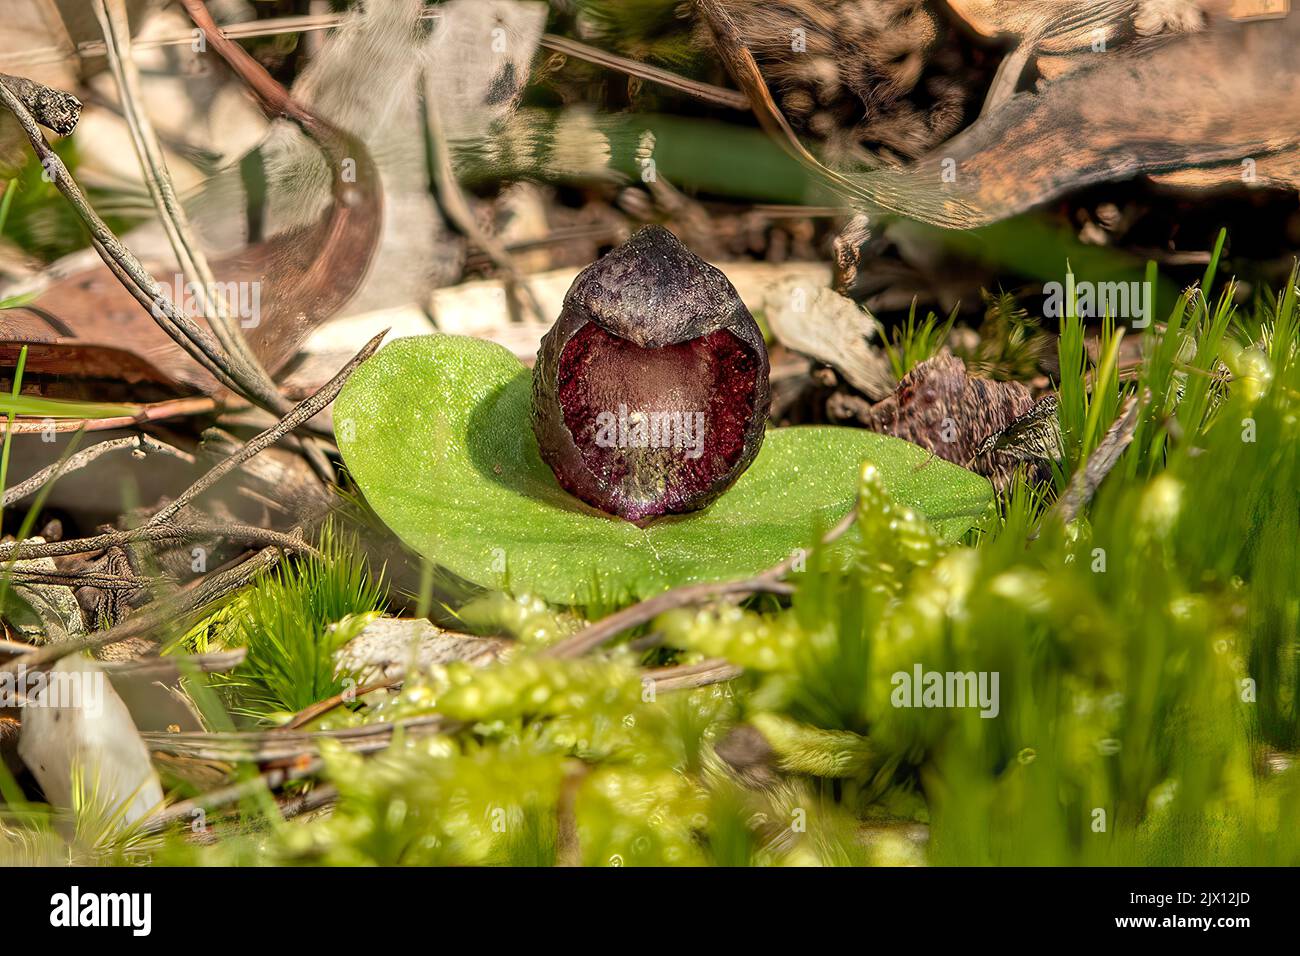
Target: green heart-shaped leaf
436	432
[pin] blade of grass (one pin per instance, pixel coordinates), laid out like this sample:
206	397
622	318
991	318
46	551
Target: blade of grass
9	429
30	406
1207	283
6	202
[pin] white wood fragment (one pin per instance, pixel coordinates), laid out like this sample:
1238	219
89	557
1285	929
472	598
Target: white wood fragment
78	723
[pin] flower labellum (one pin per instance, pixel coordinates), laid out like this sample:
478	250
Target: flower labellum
650	393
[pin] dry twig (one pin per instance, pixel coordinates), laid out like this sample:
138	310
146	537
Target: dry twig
154	619
137	444
163	526
1085	481
706	92
607	628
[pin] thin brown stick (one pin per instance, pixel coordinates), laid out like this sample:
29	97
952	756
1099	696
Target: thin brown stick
274	99
149	412
607	628
167	531
76	579
168	611
684	677
707	92
267	746
250	29
183	812
321	795
134	443
322	707
171	668
304	411
125	266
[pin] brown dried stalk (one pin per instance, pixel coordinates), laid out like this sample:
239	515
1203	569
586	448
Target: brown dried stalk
706	92
268	746
170	611
165	531
766	582
148	412
137	444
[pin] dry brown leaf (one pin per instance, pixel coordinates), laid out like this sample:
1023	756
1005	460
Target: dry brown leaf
1055	26
1209	100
